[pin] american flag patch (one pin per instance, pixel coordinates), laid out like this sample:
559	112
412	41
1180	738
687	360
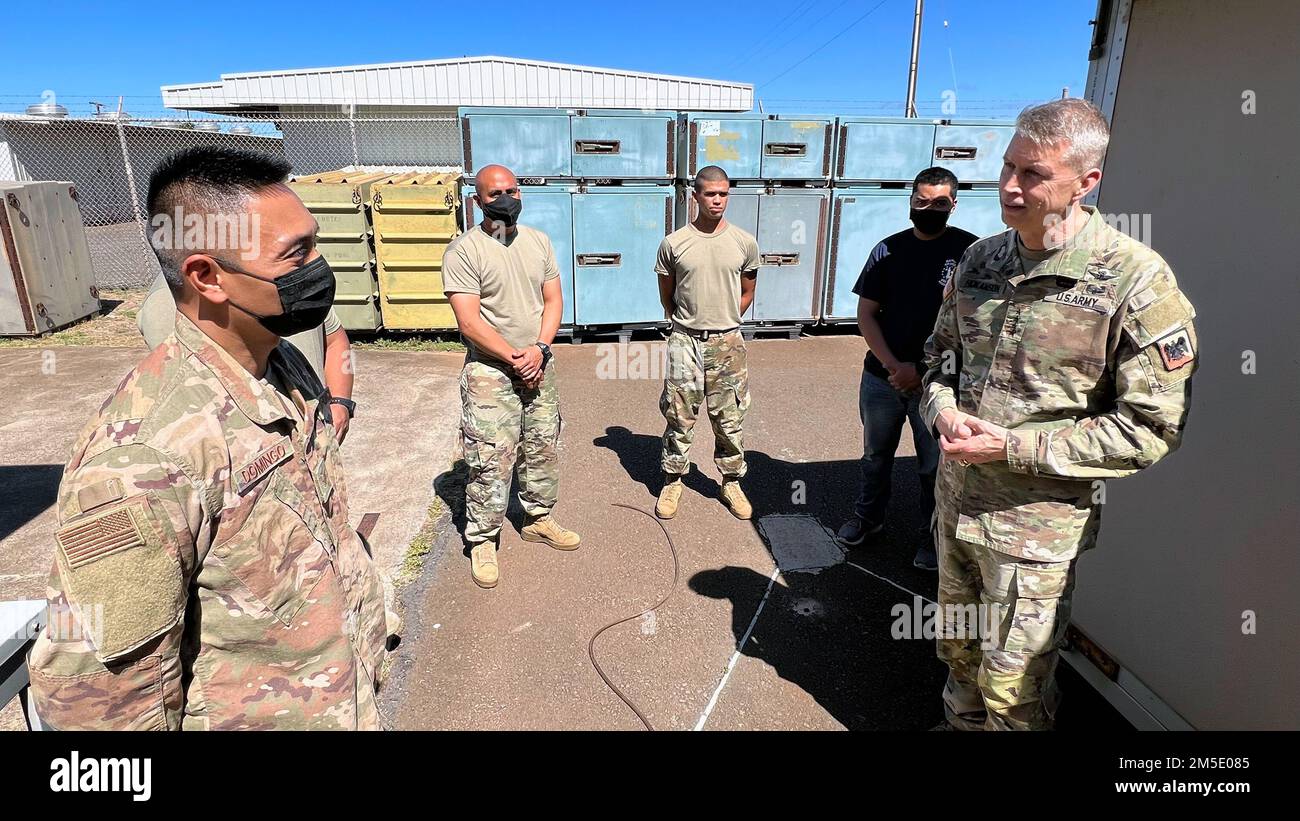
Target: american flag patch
104	535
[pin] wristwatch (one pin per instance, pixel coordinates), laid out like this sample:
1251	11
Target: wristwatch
546	350
347	403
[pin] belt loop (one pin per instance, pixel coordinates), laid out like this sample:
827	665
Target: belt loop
706	336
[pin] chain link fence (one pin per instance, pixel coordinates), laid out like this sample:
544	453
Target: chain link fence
109	160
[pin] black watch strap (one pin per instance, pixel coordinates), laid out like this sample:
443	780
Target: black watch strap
347	403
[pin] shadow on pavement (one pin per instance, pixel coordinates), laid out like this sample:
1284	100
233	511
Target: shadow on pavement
29	492
831	633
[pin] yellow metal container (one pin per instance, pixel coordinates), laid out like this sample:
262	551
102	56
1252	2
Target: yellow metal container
414	219
340	201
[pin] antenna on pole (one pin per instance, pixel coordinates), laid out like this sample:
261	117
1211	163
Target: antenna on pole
916	51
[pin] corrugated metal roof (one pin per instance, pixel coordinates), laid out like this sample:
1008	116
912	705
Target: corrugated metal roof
468	81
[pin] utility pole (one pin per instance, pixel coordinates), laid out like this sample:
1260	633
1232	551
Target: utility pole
916	51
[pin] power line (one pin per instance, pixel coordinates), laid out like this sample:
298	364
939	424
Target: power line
825	44
772	36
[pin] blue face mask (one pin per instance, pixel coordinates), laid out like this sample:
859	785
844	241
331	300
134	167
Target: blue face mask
306	296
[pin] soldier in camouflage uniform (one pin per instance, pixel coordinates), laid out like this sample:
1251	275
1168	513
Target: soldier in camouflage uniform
206	575
1061	356
708	271
503	282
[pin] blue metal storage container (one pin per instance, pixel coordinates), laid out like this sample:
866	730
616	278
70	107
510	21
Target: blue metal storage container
733	142
860	218
883	149
790	227
549	209
624	145
797	148
979	212
972	149
530	142
616	236
791	242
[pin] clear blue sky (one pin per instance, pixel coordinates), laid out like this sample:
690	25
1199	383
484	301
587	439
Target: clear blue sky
998	55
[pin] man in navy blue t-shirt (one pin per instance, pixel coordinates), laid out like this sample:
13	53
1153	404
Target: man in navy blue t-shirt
899	292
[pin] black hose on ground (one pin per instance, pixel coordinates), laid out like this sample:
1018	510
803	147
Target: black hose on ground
591	645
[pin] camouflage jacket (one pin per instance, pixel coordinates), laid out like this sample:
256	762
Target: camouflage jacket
206	575
1085	358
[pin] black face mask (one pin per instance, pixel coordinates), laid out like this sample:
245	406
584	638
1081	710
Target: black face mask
306	296
504	209
929	220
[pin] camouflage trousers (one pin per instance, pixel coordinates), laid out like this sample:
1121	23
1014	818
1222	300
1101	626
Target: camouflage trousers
1001	676
711	371
500	416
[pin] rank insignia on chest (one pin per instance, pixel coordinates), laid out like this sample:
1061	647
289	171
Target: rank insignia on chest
1176	349
262	464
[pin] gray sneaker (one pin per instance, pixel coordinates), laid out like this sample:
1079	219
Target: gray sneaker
855	530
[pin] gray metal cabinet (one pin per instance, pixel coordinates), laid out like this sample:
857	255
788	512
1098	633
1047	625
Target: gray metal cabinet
972	149
624	146
549	209
616	236
883	149
797	148
530	142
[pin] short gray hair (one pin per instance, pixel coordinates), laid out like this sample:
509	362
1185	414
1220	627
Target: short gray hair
1076	123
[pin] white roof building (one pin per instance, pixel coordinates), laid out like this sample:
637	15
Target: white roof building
467	81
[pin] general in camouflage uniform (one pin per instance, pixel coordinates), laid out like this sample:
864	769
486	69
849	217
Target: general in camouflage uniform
1079	359
707	275
206	574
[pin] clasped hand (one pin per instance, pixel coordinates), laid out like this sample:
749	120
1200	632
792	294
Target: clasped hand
969	439
529	365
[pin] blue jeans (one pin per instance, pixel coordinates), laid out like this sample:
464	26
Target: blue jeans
883	410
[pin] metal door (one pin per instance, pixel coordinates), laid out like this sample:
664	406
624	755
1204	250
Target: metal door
631	147
529	144
735	144
873	150
791	236
549	209
616	235
979	212
972	152
797	149
860	218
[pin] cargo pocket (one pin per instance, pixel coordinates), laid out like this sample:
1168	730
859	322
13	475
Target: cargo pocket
1041	608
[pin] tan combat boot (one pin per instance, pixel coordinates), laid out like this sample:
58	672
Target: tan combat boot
734	498
483	564
669	496
548	531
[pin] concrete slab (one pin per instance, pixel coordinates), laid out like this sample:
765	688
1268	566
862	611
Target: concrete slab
820	654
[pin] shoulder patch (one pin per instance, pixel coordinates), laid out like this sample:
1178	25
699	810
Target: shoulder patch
262	464
1176	349
100	536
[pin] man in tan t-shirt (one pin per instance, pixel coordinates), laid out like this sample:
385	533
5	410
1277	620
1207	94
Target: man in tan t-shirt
504	284
707	274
